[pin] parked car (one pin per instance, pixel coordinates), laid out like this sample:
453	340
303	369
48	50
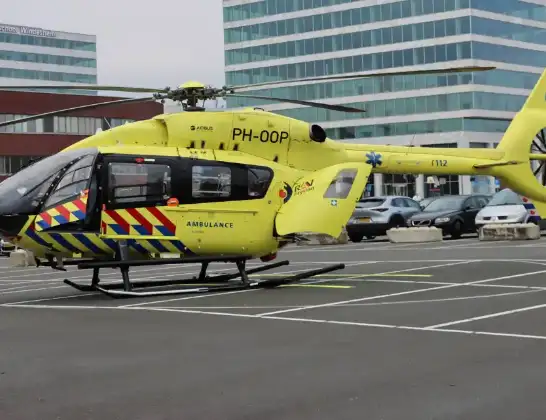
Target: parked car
6	247
506	206
454	214
373	216
426	201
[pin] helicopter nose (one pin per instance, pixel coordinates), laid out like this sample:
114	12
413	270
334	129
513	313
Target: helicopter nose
11	225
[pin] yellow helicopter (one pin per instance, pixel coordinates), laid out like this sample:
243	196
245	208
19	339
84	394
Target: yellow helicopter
221	186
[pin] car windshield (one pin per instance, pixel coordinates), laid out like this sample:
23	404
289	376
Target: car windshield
425	202
505	197
445	203
367	203
21	192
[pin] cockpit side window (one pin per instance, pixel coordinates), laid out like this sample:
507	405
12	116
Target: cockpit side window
259	179
73	183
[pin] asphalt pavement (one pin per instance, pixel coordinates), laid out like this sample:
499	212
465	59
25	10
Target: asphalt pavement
451	330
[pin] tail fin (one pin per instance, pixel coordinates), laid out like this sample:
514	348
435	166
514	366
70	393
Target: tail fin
517	141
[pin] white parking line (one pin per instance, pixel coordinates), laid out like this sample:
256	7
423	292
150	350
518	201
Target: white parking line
493	315
240	291
408	292
279	318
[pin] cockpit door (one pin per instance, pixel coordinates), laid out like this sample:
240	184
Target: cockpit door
323	201
72	198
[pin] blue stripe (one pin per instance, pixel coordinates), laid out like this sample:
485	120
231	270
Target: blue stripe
64	243
157	245
137	247
111	243
43	224
36	238
118	229
79	214
164	231
528	206
140	229
179	245
60	219
87	242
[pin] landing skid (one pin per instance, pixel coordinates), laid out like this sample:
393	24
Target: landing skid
126	288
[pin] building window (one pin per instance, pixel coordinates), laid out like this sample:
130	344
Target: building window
85	126
11	164
47	42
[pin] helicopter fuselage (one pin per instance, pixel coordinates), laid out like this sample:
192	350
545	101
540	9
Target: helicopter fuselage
169	200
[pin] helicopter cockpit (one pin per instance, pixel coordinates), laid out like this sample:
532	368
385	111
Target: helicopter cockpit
42	184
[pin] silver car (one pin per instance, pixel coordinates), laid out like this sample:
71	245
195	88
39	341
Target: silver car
507	207
373	216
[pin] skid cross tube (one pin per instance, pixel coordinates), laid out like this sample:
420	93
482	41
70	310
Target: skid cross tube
161	261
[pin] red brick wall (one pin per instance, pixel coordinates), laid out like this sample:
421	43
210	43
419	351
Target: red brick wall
31	103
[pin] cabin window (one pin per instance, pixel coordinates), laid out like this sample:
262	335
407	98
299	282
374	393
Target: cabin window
73	183
211	182
341	185
131	183
259	180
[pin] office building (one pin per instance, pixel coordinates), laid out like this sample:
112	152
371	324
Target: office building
272	40
47	57
29	140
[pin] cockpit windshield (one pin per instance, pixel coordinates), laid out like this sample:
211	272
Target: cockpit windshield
22	192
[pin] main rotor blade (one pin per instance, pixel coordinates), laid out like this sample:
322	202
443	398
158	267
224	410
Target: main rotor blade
77	108
488	118
364	75
306	103
88	87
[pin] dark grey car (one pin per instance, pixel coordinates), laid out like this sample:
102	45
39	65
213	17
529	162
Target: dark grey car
373	216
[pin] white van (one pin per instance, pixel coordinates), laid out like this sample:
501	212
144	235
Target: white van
507	207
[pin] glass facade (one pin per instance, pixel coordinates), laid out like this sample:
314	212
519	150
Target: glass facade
46	56
65	44
395	10
60	60
282	40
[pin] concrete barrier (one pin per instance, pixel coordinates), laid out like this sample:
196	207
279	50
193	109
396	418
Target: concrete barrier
22	258
510	232
415	235
321	239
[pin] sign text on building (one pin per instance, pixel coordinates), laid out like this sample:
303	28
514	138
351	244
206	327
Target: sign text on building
25	30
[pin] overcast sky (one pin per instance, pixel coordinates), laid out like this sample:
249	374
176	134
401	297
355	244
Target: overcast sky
153	44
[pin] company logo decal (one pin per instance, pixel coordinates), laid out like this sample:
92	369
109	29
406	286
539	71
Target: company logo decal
285	193
304	187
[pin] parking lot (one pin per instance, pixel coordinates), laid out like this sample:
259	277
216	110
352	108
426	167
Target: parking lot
440	330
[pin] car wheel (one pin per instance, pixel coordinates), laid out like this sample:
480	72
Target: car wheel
355	237
457	229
